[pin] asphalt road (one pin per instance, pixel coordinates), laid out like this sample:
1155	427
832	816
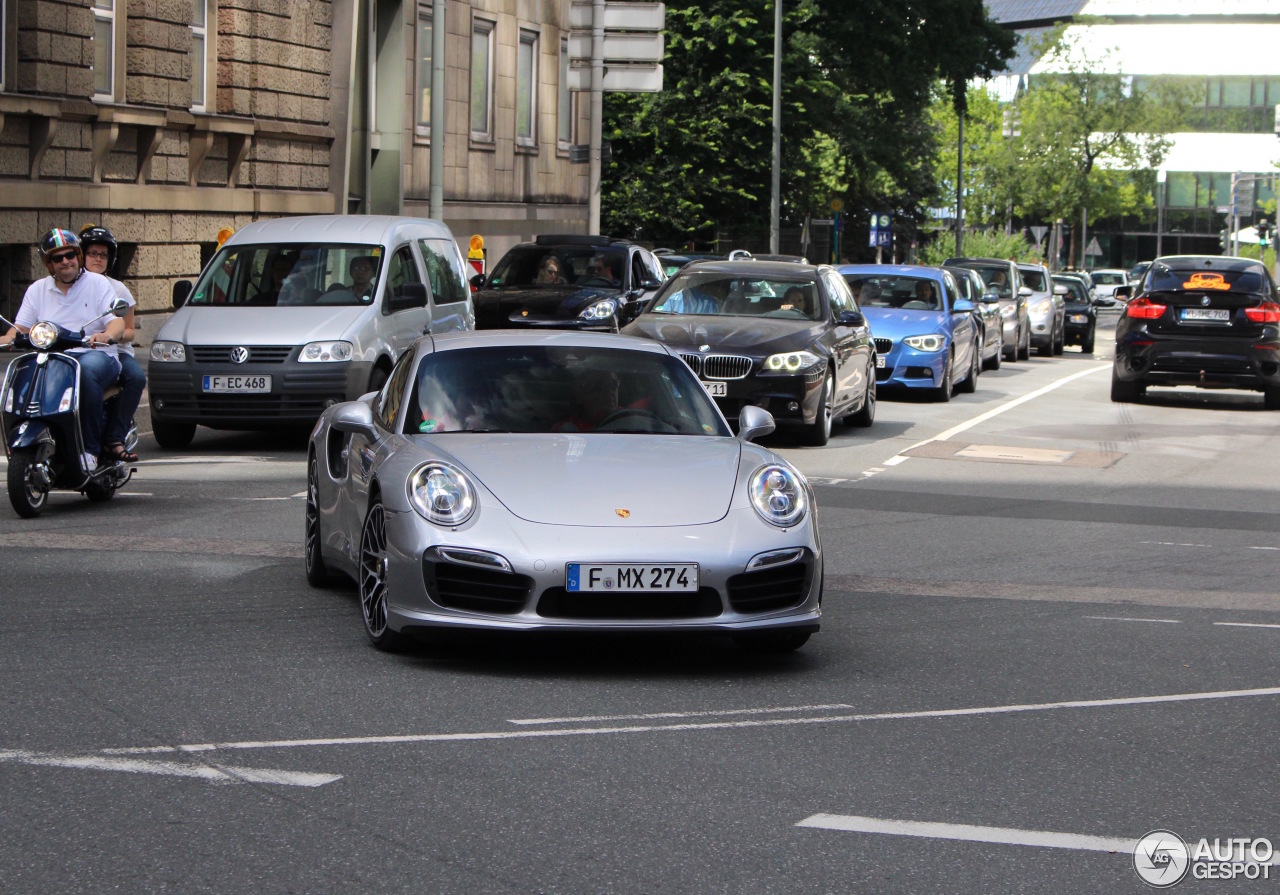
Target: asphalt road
1051	625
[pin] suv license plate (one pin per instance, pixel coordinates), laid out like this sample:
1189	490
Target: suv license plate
716	389
244	385
630	578
1216	315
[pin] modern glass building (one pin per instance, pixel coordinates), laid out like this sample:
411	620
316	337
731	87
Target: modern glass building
1229	50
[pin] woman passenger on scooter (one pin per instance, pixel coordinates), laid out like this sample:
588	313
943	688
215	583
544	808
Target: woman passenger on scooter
72	297
100	251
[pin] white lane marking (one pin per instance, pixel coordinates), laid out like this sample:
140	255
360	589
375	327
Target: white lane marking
169	769
189	461
262	498
299	494
704	714
901	456
134	494
1122	618
1244	625
708	725
1264	548
1173	544
968	833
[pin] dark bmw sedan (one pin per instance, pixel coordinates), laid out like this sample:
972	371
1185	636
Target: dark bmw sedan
1205	321
786	337
567	282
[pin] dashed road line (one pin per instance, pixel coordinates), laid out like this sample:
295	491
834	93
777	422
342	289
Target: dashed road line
969	833
703	714
1244	625
1121	618
206	772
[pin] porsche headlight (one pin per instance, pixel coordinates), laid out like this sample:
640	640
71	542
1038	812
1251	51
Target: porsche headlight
441	494
791	362
325	352
930	342
168	352
43	335
601	310
1008	310
778	495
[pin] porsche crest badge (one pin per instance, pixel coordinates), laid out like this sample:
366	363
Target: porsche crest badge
623	513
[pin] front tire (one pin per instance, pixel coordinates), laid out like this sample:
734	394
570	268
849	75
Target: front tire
818	432
1126	392
1086	347
1060	343
172	436
317	574
867	414
373	581
27	497
994	362
99	492
1024	344
942	394
970	383
1271	398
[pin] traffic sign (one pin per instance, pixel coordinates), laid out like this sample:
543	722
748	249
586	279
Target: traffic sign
1093	247
633	77
837	204
622	16
1039	232
627	46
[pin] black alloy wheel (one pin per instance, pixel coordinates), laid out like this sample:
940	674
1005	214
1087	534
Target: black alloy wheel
373	580
317	574
27	496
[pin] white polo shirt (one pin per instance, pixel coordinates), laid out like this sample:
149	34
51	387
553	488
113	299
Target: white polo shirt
122	291
89	296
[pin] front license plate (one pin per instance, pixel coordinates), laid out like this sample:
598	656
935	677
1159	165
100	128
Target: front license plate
716	389
244	385
631	578
879	361
1218	315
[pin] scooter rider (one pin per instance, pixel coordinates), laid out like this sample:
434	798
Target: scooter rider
69	297
100	252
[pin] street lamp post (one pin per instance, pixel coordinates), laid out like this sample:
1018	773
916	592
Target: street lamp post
960	186
1161	175
775	199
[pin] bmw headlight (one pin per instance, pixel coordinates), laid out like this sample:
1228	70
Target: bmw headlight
441	494
930	342
601	310
43	335
1008	310
325	352
791	362
1042	307
778	495
168	352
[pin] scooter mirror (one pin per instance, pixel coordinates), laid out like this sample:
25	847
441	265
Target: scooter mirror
120	307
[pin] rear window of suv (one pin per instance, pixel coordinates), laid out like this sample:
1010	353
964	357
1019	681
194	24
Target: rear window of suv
1198	279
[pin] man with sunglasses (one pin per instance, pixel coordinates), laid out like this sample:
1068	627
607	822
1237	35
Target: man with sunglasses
72	297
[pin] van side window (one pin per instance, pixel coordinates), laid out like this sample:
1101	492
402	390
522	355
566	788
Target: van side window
444	271
393	392
402	269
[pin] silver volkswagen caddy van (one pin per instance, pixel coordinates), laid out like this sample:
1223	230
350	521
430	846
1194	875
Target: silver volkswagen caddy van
295	314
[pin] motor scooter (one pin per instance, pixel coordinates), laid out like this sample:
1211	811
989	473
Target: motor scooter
40	421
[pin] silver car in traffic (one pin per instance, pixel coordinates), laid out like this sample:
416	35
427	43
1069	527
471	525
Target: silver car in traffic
512	480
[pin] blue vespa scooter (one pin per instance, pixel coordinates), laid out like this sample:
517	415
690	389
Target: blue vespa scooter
40	422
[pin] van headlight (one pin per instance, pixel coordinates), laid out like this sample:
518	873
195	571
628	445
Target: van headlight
930	342
325	352
791	362
778	494
1041	308
169	352
442	494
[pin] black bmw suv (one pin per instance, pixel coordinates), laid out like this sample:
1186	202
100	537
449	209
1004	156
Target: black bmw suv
567	282
1197	320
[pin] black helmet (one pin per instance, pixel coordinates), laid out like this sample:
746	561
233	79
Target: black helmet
92	234
56	239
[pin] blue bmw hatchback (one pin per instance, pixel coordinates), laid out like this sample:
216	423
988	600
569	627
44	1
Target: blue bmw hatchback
925	333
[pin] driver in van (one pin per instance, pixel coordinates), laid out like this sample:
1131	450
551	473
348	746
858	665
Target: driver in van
71	297
361	270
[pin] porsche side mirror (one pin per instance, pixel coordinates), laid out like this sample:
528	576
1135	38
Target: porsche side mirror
476	281
181	291
754	422
356	418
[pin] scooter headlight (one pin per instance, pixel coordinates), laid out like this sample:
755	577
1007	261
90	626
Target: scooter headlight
43	335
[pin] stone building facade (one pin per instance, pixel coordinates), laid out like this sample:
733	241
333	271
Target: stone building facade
168	120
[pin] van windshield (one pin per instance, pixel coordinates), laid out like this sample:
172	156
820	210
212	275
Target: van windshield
277	275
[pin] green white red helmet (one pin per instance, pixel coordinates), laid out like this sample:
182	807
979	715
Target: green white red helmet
58	239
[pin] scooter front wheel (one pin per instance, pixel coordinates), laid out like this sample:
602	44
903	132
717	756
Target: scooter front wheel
27	492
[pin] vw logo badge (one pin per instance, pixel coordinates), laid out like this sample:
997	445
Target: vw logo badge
239	355
1204	300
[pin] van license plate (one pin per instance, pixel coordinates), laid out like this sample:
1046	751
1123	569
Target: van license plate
242	385
631	578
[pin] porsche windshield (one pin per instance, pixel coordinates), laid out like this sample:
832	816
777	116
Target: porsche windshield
542	389
561	265
713	292
308	274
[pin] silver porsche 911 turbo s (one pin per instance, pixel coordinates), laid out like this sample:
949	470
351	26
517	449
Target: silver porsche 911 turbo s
506	480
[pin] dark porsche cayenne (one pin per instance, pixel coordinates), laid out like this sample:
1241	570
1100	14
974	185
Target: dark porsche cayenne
1205	321
786	337
567	282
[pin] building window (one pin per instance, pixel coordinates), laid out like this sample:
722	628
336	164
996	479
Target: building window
527	89
481	80
104	49
199	56
566	112
422	73
4	40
